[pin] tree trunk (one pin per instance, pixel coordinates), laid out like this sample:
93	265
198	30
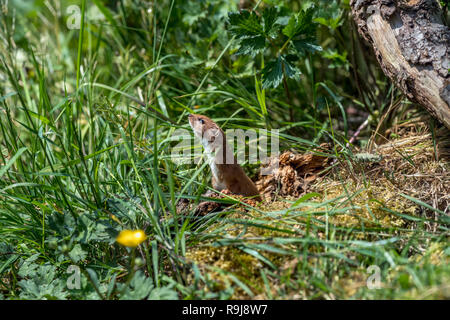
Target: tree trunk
411	44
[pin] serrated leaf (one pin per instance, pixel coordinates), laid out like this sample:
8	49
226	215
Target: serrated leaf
305	24
77	253
138	288
337	59
164	293
252	46
34	290
193	12
290	70
331	23
272	74
330	15
300	23
270	15
306	45
289	29
43	284
28	267
92	228
245	24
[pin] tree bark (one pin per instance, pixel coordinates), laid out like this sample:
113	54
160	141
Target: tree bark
411	44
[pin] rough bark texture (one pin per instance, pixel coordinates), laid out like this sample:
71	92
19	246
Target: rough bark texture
411	44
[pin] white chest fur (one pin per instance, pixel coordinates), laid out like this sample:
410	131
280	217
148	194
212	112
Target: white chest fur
212	160
211	154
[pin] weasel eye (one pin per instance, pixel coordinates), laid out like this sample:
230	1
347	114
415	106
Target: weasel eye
202	121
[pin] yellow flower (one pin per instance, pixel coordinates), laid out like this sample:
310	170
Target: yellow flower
131	238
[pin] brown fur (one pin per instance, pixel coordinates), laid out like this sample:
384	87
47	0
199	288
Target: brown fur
230	173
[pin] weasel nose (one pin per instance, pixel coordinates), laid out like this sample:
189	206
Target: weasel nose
190	115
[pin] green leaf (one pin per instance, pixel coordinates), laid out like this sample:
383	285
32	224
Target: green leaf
245	24
289	30
270	15
92	228
337	59
28	267
305	23
290	70
330	15
77	253
141	287
300	23
272	74
43	283
193	12
164	293
304	46
331	23
252	46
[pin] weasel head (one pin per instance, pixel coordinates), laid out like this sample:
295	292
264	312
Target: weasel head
206	130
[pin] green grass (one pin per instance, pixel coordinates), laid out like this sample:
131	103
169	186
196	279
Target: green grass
86	118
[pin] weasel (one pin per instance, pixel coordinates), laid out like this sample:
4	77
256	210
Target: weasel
226	172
